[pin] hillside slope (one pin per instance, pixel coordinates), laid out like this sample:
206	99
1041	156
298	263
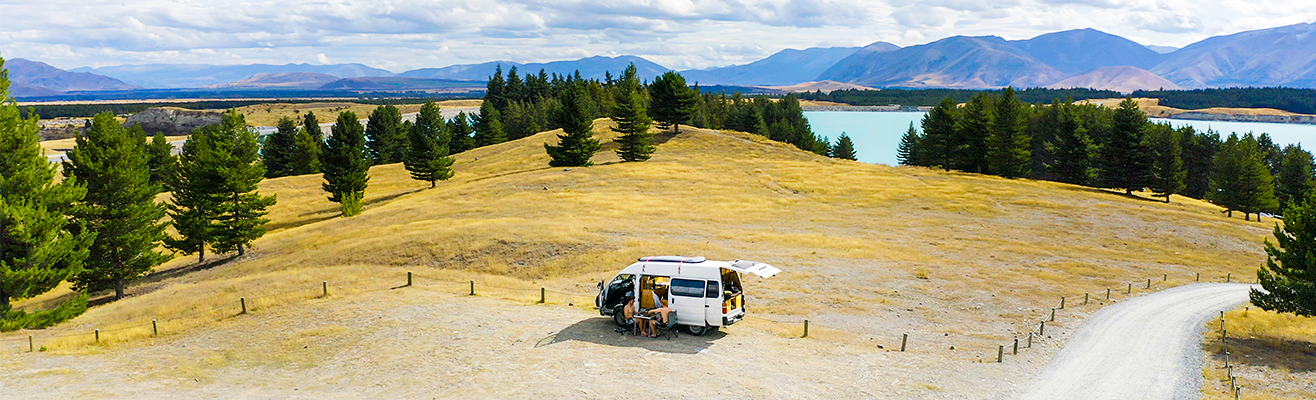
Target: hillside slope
786	67
961	262
1283	56
1119	79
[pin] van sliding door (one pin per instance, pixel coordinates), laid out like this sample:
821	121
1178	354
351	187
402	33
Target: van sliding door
688	301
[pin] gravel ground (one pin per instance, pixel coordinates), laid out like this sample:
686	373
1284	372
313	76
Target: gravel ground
1149	347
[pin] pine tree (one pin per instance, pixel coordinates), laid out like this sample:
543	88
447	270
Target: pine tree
346	164
1289	274
1167	173
39	248
385	139
1255	179
194	203
427	153
1009	148
240	217
459	130
939	138
576	144
907	153
1225	187
489	126
163	162
1125	161
309	146
120	206
280	149
671	102
631	119
845	148
973	128
1071	150
1294	180
1199	150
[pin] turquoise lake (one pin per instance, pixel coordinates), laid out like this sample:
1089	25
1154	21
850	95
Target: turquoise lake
876	134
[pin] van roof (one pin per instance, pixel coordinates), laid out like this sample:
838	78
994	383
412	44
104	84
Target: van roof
680	259
742	266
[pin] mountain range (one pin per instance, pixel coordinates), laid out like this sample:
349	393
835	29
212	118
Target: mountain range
1283	56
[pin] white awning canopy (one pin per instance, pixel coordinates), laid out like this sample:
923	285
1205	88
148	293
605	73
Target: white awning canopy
756	268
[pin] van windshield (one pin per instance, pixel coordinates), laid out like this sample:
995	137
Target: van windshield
730	283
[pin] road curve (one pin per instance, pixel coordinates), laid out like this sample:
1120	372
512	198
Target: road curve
1147	347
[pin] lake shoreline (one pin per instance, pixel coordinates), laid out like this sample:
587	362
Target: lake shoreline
1298	119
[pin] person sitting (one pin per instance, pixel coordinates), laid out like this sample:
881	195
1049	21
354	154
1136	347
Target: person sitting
659	315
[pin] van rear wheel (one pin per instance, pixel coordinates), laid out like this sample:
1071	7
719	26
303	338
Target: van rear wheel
698	330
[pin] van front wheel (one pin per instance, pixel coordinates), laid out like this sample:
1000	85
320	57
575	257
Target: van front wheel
620	318
698	330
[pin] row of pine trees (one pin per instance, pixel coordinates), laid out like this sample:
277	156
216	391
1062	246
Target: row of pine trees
1088	144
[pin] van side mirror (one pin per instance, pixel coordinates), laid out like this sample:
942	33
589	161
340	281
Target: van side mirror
600	285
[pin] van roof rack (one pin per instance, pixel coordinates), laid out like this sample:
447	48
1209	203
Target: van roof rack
680	259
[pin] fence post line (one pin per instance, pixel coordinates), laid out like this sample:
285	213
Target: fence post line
98	340
31	346
1062	302
1226	358
1000	353
155	329
1016	346
903	339
324	285
1237	392
243	300
472	287
542	298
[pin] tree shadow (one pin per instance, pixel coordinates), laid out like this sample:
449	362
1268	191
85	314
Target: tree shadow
1296	357
392	196
603	331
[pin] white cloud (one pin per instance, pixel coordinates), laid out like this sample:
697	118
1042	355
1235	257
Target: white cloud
406	34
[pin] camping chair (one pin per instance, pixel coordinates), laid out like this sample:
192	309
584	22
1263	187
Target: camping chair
669	327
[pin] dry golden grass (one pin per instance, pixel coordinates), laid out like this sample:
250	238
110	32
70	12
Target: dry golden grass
1273	355
269	114
971	255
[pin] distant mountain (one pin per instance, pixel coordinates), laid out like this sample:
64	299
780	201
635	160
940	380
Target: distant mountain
387	83
1162	49
824	86
35	75
590	68
174	76
786	67
1082	50
284	80
1284	56
1123	79
955	62
24	90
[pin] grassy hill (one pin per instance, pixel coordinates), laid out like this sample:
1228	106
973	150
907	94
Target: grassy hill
962	262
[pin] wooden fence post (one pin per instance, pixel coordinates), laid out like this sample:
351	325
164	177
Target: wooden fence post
324	286
1016	346
472	287
542	297
1130	289
1062	302
1228	277
98	340
1085	299
1042	331
1165	277
903	339
806	328
1149	283
243	300
408	278
1030	340
155	329
31	346
1000	353
1198	278
1107	294
1053	315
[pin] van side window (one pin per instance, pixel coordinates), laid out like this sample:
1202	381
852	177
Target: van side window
713	291
687	287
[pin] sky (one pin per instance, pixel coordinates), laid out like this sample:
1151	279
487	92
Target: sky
680	34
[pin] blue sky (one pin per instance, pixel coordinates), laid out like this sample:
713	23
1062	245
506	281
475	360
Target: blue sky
404	35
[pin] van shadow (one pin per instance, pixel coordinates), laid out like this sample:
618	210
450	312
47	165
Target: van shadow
602	331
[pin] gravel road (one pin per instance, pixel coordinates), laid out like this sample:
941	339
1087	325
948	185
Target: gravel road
1149	347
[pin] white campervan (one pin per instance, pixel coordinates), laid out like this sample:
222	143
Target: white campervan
705	294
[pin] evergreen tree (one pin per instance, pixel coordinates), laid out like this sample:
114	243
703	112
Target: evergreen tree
39	247
495	91
346	164
975	125
1289	274
845	148
635	143
309	146
1071	150
240	215
672	103
280	149
576	144
1167	173
1009	149
907	153
939	137
1199	150
162	161
1124	160
119	206
1255	179
489	126
1226	189
1271	154
384	136
459	130
194	203
427	151
1294	180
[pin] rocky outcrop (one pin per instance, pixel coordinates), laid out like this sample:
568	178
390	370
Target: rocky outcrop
173	121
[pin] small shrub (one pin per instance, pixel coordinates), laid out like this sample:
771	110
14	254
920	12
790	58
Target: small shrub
17	319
